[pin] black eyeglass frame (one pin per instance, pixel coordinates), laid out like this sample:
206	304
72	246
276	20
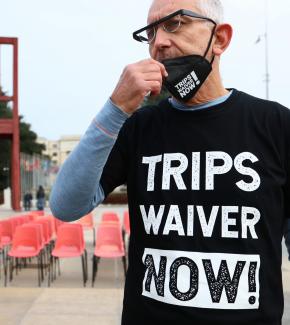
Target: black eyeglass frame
182	12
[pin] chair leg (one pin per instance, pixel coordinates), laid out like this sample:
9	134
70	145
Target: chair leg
54	262
45	260
4	263
125	265
123	236
16	270
38	271
49	271
86	259
84	271
94	271
58	265
97	259
11	268
41	265
94	233
55	265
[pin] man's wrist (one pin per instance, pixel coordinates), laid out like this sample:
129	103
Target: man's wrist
119	107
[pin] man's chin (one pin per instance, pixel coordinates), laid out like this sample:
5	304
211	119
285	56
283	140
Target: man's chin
166	57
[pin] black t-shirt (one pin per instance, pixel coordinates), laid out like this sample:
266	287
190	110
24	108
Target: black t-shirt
208	193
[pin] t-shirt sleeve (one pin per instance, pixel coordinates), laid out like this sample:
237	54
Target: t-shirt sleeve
116	168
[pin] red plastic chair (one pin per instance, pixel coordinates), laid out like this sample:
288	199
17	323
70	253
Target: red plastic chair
43	238
70	243
110	217
87	223
26	244
109	244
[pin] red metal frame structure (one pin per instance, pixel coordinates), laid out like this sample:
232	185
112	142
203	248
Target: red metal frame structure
9	128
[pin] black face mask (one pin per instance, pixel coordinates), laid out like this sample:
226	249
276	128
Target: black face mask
186	74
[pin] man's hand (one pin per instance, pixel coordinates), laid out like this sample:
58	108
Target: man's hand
136	81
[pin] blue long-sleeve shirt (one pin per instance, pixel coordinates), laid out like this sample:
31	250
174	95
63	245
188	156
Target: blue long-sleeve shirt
77	189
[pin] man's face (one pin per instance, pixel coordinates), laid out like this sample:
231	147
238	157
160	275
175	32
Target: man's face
191	38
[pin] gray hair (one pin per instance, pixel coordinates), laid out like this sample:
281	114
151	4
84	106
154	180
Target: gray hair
212	9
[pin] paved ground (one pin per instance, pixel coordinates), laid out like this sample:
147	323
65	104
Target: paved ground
67	302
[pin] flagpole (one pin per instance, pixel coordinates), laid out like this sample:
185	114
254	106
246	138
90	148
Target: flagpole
267	51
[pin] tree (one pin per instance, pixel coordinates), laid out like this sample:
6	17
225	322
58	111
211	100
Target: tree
28	143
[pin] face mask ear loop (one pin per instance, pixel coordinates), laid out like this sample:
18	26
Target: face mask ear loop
209	44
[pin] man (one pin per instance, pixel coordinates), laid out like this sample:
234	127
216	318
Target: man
207	173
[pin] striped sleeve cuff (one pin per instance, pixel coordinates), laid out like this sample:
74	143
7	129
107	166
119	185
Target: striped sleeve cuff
110	119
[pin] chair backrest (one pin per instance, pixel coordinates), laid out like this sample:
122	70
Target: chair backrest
70	235
58	223
30	216
51	218
38	212
7	228
39	231
80	229
110	216
87	220
46	229
50	223
15	222
109	234
26	236
25	218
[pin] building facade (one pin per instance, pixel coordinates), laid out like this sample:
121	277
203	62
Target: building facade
58	150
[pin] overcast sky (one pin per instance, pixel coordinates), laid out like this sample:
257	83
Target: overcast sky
73	51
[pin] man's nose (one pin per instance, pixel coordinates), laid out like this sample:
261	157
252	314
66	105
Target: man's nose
162	38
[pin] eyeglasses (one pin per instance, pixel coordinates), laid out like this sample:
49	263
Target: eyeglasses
170	24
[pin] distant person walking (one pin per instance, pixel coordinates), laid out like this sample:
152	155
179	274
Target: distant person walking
27	201
40	196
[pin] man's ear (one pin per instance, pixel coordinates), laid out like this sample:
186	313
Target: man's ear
223	36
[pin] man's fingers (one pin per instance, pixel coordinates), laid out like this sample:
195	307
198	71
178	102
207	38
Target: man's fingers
163	70
152	76
151	65
154	87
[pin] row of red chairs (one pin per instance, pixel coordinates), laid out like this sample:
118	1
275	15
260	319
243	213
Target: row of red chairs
69	242
30	235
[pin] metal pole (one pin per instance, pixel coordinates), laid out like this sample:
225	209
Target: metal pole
267	51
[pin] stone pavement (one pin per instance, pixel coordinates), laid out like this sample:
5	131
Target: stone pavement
67	302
